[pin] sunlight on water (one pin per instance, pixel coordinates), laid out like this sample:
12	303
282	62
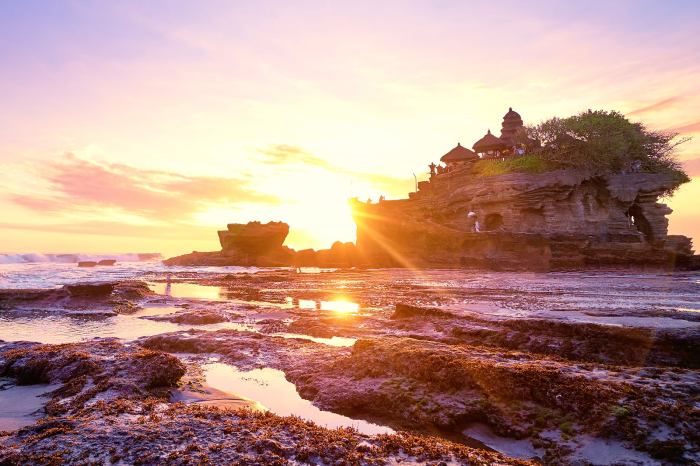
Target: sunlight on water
332	341
188	290
273	391
53	275
67	329
156	311
340	306
314	270
307	304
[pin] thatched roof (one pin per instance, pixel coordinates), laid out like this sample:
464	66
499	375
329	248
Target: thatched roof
459	154
489	142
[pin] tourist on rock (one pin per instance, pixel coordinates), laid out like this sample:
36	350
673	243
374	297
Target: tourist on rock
472	222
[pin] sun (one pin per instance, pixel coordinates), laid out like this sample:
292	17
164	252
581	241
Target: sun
316	206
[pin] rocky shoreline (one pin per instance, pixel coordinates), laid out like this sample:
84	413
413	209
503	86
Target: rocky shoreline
448	367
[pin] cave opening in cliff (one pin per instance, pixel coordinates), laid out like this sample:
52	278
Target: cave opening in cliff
493	222
639	221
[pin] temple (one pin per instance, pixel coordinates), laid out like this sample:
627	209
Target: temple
552	220
513	141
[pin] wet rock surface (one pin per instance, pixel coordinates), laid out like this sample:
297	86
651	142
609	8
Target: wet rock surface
201	317
559	367
117	297
104	369
153	433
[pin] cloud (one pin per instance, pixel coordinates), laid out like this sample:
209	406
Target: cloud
689	128
37	203
108	228
660	105
281	154
80	184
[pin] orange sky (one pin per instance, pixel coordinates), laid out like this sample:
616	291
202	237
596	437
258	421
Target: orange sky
132	127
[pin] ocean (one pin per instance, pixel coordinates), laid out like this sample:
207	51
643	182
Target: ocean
34	270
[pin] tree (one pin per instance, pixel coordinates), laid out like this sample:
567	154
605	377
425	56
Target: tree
605	143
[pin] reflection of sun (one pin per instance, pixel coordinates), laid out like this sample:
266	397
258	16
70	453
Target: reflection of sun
341	306
307	304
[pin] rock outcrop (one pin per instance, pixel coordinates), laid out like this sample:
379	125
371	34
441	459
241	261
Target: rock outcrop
553	220
253	238
261	245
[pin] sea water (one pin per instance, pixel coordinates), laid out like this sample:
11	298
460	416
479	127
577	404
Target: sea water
47	274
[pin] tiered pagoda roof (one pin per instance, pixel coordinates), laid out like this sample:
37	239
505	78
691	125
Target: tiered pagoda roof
511	123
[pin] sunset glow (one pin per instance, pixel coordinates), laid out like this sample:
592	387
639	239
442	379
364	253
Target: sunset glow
340	306
131	126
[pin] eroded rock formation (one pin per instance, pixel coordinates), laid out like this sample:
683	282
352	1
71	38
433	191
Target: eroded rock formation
257	244
252	238
552	220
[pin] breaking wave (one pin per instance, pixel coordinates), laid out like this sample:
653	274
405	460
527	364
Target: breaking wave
31	258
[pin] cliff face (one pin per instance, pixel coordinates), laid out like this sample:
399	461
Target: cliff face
561	219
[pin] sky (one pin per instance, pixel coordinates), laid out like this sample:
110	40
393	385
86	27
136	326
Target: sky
136	126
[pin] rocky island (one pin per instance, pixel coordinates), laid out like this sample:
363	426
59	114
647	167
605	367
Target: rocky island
565	219
511	204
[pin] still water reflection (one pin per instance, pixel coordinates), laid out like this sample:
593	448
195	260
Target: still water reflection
216	293
62	328
20	405
271	390
188	290
340	306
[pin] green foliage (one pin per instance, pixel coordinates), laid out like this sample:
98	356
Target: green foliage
607	142
530	163
598	141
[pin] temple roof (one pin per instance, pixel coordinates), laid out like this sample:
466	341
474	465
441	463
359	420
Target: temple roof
459	154
489	142
512	115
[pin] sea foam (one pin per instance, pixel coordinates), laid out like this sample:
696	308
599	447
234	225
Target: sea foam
34	257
